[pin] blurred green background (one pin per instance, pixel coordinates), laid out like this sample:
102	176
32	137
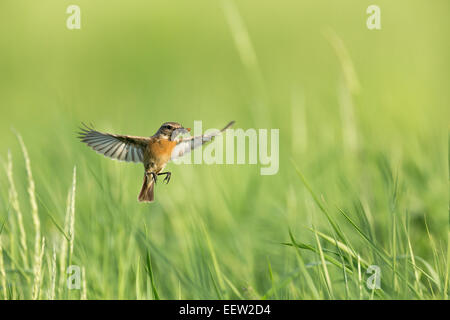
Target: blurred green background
363	114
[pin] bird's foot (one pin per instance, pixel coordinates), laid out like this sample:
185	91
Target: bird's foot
154	176
167	178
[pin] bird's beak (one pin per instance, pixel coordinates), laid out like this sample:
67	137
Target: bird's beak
182	131
178	132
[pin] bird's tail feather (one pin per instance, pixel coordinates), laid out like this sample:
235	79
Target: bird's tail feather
146	194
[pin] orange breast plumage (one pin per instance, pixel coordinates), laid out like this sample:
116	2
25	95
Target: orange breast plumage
159	151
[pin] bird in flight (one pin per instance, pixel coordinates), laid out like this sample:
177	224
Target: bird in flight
154	152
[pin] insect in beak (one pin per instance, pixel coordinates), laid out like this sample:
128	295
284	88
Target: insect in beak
178	132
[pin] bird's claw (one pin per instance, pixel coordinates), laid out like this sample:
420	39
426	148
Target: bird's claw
167	178
154	176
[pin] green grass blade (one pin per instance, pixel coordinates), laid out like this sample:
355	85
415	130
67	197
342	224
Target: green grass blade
149	270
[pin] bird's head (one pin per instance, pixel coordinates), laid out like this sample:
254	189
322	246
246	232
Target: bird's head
170	130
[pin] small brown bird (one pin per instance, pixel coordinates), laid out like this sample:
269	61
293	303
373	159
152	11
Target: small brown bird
154	152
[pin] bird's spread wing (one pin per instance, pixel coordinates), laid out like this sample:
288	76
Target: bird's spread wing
114	146
185	145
